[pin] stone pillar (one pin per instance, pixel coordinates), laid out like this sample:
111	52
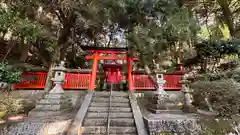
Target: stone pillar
54	102
159	101
187	106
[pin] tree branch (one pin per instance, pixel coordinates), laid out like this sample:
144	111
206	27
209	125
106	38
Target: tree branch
59	16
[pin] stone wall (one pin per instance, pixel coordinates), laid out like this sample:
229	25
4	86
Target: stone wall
28	98
26	94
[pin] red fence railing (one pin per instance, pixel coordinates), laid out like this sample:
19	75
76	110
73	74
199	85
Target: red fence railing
37	80
143	82
76	81
31	80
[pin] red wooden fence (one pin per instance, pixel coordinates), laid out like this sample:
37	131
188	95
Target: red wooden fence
32	80
76	81
143	82
37	80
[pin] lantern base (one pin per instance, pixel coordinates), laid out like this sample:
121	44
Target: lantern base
52	104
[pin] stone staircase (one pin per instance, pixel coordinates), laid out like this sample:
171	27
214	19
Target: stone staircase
120	114
52	104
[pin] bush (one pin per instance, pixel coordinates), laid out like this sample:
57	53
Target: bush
218	126
223	95
12	106
8	74
231	74
234	74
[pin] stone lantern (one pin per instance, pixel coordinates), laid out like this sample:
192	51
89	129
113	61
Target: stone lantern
58	79
159	101
187	106
160	83
55	102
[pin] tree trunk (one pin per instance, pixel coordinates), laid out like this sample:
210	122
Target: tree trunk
55	59
204	65
208	104
151	76
48	85
9	50
149	72
64	34
24	53
228	18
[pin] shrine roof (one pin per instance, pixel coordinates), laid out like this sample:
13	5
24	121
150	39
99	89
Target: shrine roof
117	49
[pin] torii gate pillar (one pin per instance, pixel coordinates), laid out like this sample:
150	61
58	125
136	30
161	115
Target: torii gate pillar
130	78
94	71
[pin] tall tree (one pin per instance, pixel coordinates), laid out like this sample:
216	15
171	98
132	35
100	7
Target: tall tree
222	12
166	25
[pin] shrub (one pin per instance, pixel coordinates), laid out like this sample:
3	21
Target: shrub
223	95
11	106
234	74
218	126
231	74
8	74
15	106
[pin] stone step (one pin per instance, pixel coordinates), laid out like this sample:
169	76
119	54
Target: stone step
113	122
52	101
109	134
55	96
50	107
112	130
96	104
114	94
106	109
112	115
40	113
114	100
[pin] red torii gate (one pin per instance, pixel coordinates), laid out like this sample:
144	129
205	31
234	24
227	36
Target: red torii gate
112	54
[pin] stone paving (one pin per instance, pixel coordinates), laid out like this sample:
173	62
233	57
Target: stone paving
51	125
57	125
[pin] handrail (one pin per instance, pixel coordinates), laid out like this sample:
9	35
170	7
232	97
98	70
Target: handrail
76	126
109	110
137	115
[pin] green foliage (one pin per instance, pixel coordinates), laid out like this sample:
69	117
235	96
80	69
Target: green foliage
209	76
8	74
213	50
147	41
13	106
218	48
234	74
229	74
223	95
165	26
7	18
30	30
216	127
23	28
